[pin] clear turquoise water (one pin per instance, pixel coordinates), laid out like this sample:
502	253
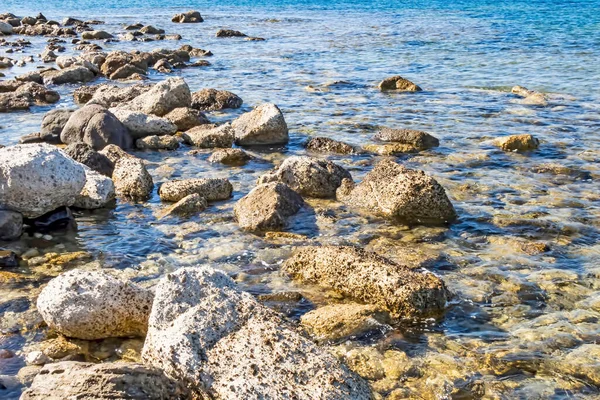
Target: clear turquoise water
514	308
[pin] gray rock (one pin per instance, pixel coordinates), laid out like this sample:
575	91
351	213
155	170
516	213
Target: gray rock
38	178
94	305
118	380
38	94
223	344
162	98
141	125
214	100
53	123
397	192
89	157
150	30
72	74
189	205
96	126
267	207
212	189
398	83
8	259
230	156
11	224
309	176
96	35
326	145
369	278
208	136
221	33
188	17
418	139
157	143
186	118
5	28
262	126
98	192
111	96
131	179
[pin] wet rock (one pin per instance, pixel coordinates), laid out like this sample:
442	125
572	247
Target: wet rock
398	83
8	259
6	28
150	30
394	191
96	35
214	100
157	143
192	204
326	145
389	149
114	154
10	102
68	75
53	123
530	96
369	278
230	156
262	126
71	380
517	143
243	349
37	93
186	118
340	321
418	139
128	72
38	178
162	98
98	192
254	39
309	176
11	224
96	126
221	33
94	305
32	76
131	179
187	17
111	96
59	218
196	52
36	358
267	207
89	157
207	136
141	125
68	21
212	189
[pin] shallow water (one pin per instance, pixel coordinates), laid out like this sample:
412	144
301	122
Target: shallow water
519	317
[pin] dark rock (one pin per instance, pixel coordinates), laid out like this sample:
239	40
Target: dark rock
11	225
60	218
8	259
229	33
85	154
213	100
418	139
326	145
53	123
96	126
398	83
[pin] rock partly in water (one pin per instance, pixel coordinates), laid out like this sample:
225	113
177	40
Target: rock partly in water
394	191
186	118
212	189
72	74
119	380
235	157
398	83
208	136
97	127
264	125
418	139
192	204
221	33
53	123
109	96
11	225
214	100
96	35
162	98
530	97
187	17
267	207
369	278
98	192
309	176
89	157
223	344
518	143
38	178
131	179
326	145
141	125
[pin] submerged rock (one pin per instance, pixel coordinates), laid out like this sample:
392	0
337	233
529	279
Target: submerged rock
131	179
398	192
191	204
207	136
309	176
157	143
398	83
98	191
89	157
119	380
267	207
97	127
162	98
38	178
94	305
369	278
230	156
141	125
326	145
418	139
186	118
11	225
530	96
262	126
212	189
517	143
223	344
214	100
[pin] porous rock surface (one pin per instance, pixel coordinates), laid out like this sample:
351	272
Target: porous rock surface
262	126
212	189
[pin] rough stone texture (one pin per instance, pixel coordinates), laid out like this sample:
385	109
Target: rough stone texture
418	139
98	191
340	321
398	83
157	143
191	204
394	191
230	156
212	189
309	176
119	380
389	149
369	278
326	145
188	17
68	75
95	35
131	179
216	339
517	143
262	126
162	98
11	225
38	178
53	123
89	157
186	118
96	126
37	94
94	305
111	96
214	100
267	207
8	259
114	154
207	136
141	125
12	102
221	33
